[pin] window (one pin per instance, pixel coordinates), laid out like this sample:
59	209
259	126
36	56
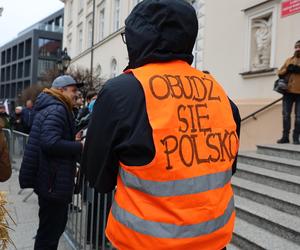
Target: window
3	75
28	47
60	22
113	68
48	47
80	6
27	68
3	57
19	88
8	55
101	21
14	71
53	26
70	11
44	66
116	12
69	44
89	32
260	41
7	90
8	73
26	84
21	50
2	91
13	90
14	53
20	70
80	37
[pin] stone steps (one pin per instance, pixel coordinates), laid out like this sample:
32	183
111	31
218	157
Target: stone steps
288	151
277	222
275	163
232	247
269	196
251	237
282	181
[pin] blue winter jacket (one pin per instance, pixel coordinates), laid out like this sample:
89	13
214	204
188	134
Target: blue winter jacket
27	117
48	164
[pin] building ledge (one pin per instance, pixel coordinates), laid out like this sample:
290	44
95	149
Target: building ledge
259	73
259	4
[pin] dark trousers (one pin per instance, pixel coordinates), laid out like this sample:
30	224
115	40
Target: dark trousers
53	217
287	105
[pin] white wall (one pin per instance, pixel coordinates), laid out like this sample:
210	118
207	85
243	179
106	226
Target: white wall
111	46
225	47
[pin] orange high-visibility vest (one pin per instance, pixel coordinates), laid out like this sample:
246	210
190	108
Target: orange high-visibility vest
182	199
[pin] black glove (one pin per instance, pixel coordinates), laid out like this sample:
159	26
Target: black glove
292	68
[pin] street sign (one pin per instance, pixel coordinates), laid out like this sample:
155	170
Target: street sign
290	7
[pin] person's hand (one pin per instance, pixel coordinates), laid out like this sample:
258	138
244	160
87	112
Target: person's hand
78	136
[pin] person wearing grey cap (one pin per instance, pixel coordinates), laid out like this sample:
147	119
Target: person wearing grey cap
48	164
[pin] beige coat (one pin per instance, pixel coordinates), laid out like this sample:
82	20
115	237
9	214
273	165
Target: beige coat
294	79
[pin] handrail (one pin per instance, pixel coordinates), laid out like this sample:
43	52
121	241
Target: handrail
260	110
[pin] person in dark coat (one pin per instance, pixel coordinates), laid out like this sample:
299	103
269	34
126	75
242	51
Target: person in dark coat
291	72
17	121
28	116
91	95
48	164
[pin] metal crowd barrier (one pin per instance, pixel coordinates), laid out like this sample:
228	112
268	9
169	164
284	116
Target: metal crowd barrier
86	224
16	143
88	212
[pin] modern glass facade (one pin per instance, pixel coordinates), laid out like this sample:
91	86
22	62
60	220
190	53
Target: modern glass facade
32	53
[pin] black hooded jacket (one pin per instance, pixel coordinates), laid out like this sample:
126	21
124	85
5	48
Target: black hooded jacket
156	31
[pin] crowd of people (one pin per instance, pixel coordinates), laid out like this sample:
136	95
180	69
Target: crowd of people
20	120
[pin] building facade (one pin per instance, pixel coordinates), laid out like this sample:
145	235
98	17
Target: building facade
242	43
24	59
245	43
98	45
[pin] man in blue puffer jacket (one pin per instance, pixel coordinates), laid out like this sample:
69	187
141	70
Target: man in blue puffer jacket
48	164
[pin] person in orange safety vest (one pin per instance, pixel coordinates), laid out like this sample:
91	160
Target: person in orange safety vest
166	136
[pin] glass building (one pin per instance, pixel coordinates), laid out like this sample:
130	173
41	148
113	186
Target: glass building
24	59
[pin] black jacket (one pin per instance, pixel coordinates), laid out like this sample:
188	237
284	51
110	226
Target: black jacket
119	130
48	164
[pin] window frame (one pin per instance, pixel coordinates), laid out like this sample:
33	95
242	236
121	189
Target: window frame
101	22
79	39
116	15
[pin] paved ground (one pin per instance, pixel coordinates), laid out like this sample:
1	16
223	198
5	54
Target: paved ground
25	214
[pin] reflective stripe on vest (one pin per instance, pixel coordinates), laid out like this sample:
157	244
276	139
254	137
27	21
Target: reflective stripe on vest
179	187
167	230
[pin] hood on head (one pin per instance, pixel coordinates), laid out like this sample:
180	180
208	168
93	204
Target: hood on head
160	30
44	100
